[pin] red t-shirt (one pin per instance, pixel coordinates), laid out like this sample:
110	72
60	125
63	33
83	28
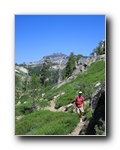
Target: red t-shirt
79	101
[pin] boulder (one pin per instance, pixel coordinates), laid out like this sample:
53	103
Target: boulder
62	93
68	106
43	94
19	103
96	96
98	84
63	108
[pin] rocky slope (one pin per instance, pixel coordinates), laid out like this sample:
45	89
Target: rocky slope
19	69
96	126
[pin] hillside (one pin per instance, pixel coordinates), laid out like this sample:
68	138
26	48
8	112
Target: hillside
54	113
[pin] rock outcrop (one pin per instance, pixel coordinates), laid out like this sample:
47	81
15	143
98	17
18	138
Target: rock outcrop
86	63
96	126
96	97
20	68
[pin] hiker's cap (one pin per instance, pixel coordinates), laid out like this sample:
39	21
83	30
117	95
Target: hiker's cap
80	92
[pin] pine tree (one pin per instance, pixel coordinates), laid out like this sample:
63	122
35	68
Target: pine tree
70	66
100	49
44	73
34	88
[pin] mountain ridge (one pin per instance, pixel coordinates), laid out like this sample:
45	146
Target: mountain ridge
54	57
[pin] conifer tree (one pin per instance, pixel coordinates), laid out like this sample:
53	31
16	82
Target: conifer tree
100	49
44	73
70	66
34	88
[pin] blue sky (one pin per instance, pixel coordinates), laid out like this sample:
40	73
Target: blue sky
41	35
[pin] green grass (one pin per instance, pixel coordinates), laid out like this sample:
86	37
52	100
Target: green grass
43	103
24	98
23	109
45	122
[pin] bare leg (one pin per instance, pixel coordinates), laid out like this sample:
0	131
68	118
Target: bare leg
81	116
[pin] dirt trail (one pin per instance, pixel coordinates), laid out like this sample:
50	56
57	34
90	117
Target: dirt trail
76	131
51	107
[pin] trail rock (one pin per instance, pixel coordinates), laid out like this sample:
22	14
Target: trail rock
55	97
63	108
68	106
62	93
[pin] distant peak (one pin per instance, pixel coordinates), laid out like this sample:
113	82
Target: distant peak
57	54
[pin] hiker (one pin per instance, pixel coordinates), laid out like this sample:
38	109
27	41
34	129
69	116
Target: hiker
79	105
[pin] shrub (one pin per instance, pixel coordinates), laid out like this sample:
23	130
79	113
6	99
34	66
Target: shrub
71	109
43	103
23	109
44	122
100	130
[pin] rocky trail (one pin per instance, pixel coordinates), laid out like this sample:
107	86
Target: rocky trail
76	131
51	107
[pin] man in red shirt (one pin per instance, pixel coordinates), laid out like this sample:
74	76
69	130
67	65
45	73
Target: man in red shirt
79	105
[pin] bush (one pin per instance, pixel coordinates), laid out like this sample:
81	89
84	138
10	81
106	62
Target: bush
64	100
43	103
100	130
24	98
71	109
44	122
23	109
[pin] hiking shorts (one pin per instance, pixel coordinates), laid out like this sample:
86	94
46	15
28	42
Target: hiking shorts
79	110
